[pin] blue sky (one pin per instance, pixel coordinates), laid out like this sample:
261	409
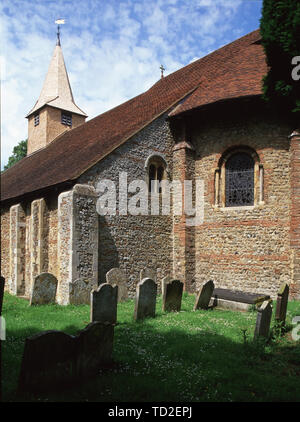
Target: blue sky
112	49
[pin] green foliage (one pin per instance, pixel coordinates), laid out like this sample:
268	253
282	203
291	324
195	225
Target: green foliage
280	31
19	152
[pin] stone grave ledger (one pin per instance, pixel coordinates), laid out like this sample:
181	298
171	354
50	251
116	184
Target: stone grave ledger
172	296
204	296
53	360
145	302
236	300
104	303
118	277
43	290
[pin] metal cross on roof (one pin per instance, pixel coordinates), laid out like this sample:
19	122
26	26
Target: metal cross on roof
59	22
162	70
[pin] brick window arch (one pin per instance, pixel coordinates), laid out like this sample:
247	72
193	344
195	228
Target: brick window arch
239	179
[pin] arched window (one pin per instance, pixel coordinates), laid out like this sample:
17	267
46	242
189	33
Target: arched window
156	169
239	180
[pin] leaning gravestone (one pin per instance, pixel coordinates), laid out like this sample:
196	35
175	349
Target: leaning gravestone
282	302
172	296
2	282
118	277
204	295
166	280
145	301
54	360
80	291
43	290
148	273
263	320
104	302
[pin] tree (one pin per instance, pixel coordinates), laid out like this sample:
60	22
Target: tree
280	31
19	152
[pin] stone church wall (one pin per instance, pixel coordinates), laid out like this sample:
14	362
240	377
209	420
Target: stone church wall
132	242
244	248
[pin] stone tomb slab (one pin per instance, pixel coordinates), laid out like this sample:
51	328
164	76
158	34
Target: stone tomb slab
54	360
263	320
2	282
145	302
236	300
204	296
172	296
104	303
118	277
282	302
43	290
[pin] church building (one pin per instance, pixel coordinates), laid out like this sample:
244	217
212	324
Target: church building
205	122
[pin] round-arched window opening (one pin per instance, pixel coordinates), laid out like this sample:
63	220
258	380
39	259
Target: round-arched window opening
239	180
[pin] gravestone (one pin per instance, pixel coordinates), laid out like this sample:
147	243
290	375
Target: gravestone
148	273
172	296
54	360
282	302
164	282
204	296
43	290
49	361
2	282
94	348
263	320
118	277
145	301
80	291
104	302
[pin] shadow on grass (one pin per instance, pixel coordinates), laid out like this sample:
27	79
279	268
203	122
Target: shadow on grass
172	365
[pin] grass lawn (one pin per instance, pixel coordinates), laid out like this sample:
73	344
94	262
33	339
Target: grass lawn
176	357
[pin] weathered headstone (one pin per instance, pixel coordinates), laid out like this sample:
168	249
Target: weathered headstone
281	305
204	295
54	360
49	360
94	348
145	301
80	291
164	282
172	296
2	282
43	290
148	273
118	277
104	302
263	320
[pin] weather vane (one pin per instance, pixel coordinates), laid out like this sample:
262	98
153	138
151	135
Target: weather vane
162	70
59	22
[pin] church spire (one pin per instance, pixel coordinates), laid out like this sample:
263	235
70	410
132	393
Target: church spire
56	101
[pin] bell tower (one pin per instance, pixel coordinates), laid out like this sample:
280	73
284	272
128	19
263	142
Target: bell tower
55	111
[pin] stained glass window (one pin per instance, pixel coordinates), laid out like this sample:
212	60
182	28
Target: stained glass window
239	180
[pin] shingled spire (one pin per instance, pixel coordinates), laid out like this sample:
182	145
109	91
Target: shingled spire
55	111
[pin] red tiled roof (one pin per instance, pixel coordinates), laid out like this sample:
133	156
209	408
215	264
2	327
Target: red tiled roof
234	70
